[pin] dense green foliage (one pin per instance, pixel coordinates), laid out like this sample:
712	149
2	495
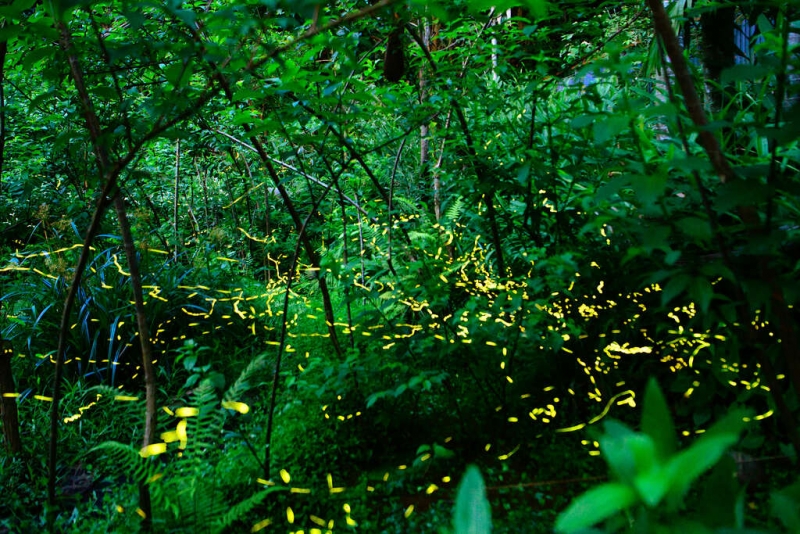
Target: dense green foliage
365	245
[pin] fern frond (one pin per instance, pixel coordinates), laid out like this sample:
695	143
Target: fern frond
201	503
124	460
453	212
243	383
237	511
204	429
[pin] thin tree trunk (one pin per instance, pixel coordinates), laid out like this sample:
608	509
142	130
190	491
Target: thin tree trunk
267	230
93	125
346	261
391	203
424	129
248	186
8	401
437	181
232	197
8	404
203	174
147	351
3	51
360	242
176	194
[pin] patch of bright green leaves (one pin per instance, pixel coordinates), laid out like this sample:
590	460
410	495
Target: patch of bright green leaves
651	478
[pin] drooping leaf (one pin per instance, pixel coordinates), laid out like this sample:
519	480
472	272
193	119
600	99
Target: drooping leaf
652	485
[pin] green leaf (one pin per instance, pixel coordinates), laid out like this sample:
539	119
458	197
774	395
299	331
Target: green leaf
189	362
245	93
582	121
657	421
744	73
741	193
178	74
187	16
607	128
720	494
650	188
701	291
15	8
785	505
689	464
472	514
765	25
538	8
696	228
372	399
672	256
652	486
243	117
442	452
595	505
523	172
674	287
612	187
36	56
614	444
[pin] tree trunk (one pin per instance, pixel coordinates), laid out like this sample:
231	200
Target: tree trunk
144	342
175	199
3	50
424	143
8	401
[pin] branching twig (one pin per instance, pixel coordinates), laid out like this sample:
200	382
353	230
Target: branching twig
298	171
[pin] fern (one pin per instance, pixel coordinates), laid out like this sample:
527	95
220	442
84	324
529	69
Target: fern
242	384
200	502
124	460
453	212
193	487
239	510
204	428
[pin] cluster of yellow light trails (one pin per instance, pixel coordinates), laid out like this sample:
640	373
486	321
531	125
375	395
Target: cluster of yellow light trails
468	272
